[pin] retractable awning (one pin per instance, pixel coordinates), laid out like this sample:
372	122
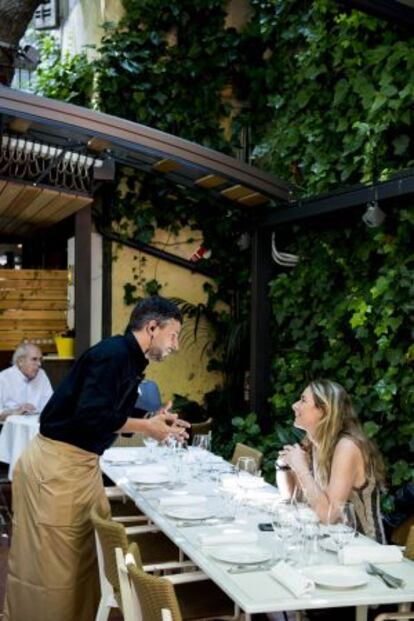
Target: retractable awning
54	155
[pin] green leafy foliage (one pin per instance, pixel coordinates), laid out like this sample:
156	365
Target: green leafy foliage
346	312
68	78
339	93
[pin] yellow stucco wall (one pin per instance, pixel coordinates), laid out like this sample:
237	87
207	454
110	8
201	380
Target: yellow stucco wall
83	20
186	372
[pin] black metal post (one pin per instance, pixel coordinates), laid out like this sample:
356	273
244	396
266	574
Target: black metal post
260	322
83	251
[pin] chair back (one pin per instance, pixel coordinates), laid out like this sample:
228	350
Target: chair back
154	595
131	609
134	439
242	450
204	427
110	535
409	545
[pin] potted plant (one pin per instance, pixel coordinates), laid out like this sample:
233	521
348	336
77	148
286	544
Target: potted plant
65	344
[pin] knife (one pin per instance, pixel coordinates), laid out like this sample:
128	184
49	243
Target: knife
203	522
244	569
391	581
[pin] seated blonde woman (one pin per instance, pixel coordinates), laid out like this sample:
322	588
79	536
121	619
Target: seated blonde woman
336	461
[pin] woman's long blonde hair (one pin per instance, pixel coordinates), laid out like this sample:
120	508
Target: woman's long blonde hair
338	420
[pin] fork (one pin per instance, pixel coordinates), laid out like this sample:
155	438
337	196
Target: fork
244	569
203	522
391	581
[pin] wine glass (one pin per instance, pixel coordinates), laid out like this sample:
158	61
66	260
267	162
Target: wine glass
202	441
342	523
150	444
287	530
245	466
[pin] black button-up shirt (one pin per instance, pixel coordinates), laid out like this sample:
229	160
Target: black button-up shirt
97	396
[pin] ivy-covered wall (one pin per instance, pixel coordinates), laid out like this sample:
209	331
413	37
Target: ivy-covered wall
339	91
346	312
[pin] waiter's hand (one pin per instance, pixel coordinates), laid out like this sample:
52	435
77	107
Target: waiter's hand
165	423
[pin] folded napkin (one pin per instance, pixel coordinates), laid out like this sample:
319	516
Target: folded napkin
181	501
230	482
292	579
250	482
232	537
356	554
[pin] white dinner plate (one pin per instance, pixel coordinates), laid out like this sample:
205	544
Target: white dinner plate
241	554
336	577
189	513
150	478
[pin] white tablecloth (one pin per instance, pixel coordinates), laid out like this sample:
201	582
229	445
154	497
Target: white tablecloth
16	434
254	591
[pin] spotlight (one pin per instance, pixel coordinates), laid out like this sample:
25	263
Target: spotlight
373	216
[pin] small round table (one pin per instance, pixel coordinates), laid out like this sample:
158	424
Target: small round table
17	432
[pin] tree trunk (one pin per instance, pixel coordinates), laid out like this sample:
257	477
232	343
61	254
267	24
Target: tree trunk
15	16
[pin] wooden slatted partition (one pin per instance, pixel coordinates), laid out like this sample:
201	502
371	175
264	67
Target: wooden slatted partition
33	306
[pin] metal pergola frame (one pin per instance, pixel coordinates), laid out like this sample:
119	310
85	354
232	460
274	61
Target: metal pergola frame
348	201
396	11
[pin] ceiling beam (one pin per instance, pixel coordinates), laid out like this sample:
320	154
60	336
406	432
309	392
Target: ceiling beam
390	10
62	119
399	187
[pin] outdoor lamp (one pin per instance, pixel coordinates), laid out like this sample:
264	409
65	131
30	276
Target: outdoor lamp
373	216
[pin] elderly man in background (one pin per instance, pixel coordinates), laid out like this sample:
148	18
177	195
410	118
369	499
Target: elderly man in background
24	387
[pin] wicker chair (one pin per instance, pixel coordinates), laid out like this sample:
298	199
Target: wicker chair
204	427
156	551
242	450
186	596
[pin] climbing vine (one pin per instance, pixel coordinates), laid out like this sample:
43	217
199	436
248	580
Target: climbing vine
326	98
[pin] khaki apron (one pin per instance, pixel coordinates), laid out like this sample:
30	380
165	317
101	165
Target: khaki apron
52	571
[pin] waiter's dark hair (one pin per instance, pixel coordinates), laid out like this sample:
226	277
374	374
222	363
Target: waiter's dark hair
155	307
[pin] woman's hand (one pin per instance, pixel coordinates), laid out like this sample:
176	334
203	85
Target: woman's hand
294	456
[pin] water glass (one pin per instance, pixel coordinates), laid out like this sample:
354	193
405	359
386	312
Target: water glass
342	523
288	534
202	441
150	443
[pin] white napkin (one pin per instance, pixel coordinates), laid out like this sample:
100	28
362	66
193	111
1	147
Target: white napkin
292	579
356	554
250	482
230	482
181	501
227	538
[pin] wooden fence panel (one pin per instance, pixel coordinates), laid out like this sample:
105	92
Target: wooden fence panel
33	307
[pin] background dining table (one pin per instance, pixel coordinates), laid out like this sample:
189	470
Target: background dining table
16	433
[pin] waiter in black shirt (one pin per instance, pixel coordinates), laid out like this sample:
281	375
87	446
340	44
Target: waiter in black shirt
52	561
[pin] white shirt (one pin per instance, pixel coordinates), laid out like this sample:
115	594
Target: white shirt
16	389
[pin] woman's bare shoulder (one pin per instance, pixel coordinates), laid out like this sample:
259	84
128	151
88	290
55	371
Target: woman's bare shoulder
346	445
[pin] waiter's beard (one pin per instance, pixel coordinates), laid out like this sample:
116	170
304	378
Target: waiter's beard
156	354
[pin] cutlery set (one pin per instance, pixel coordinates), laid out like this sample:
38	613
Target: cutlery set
391	581
244	569
204	522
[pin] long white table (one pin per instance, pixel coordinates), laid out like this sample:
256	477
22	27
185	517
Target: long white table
16	433
255	592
